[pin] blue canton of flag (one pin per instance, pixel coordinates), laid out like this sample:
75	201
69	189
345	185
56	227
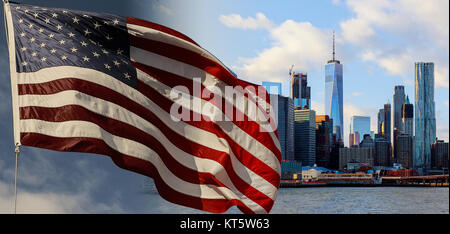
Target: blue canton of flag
58	37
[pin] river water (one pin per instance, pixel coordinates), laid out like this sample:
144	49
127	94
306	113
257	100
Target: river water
362	200
338	200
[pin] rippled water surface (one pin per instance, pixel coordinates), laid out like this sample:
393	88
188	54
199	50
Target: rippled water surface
362	200
339	200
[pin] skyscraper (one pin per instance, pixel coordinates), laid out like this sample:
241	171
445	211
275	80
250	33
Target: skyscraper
384	122
383	152
407	117
323	140
398	101
301	92
397	127
360	124
353	139
380	122
439	154
334	94
403	146
305	136
425	120
367	141
285	125
404	150
387	119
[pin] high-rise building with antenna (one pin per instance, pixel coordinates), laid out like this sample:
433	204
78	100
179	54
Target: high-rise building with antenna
334	94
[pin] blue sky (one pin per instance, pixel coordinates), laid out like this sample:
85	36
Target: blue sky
377	42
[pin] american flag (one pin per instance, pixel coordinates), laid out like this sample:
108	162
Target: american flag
100	83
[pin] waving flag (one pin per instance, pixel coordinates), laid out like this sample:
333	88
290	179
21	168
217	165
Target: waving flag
101	83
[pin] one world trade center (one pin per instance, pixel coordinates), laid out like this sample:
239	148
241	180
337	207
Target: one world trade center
334	95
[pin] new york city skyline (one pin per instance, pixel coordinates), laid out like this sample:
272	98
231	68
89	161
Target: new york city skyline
377	42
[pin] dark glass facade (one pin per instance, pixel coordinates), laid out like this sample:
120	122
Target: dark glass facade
324	134
305	136
334	96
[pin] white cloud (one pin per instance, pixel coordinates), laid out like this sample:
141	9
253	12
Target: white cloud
298	43
442	132
419	31
236	21
441	75
51	202
356	31
395	64
318	107
401	63
45	187
405	17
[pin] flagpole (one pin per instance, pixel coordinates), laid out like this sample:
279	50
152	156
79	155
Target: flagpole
17	150
17	145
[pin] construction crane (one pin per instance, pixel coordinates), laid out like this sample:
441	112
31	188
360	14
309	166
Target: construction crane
290	81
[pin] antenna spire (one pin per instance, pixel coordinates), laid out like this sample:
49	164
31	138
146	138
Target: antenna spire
333	47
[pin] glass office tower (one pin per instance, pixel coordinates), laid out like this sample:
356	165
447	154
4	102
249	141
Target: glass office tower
285	125
360	124
384	122
380	122
284	114
301	92
398	101
387	123
334	95
425	119
407	117
305	136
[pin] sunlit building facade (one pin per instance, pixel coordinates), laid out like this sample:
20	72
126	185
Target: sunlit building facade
425	119
301	92
305	136
360	124
334	95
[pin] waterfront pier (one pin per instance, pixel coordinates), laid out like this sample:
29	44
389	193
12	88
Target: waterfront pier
370	180
431	180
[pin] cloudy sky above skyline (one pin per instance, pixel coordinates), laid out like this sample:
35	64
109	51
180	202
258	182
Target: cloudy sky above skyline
377	41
